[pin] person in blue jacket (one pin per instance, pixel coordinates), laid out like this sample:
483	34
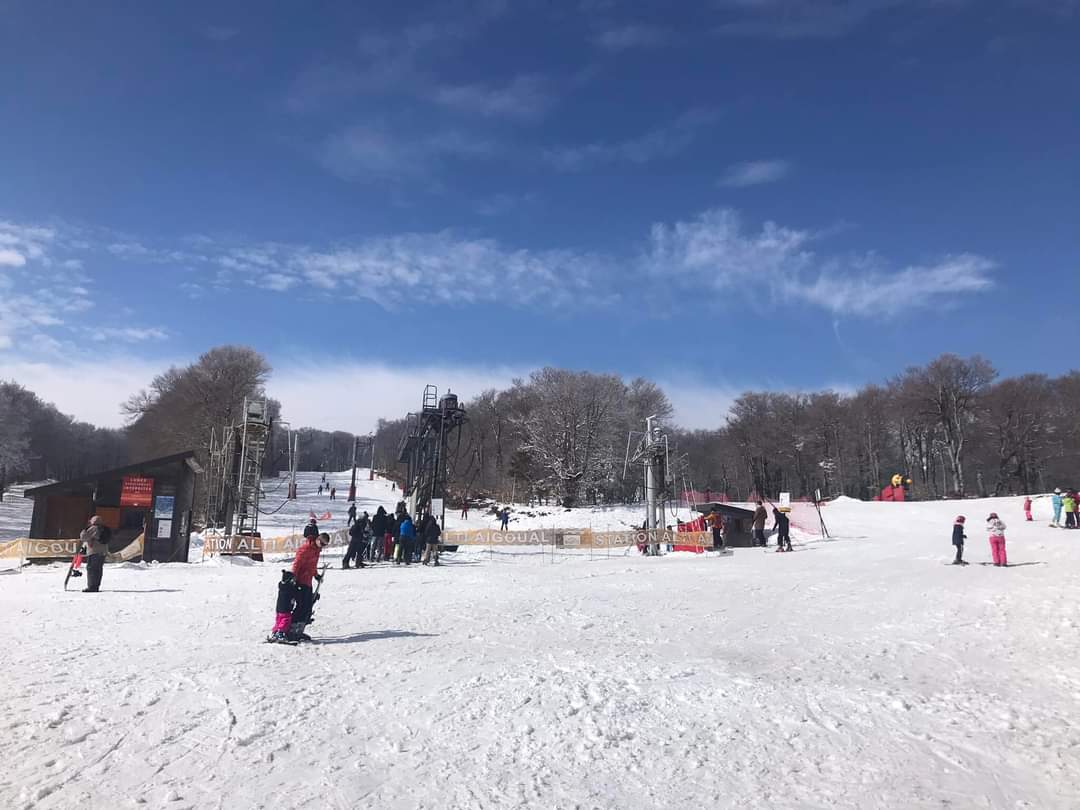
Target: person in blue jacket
406	538
1056	502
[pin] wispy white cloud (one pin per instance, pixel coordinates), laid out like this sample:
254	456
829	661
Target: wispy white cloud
717	251
800	19
369	151
660	143
524	98
627	37
127	334
755	173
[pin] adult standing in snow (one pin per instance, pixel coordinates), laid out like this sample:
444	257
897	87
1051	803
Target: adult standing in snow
465	509
1027	507
430	531
760	516
406	536
320	489
1068	502
783	530
352	514
305	568
504	519
95	537
378	532
958	538
392	527
997	539
1056	503
333	494
356	545
716	523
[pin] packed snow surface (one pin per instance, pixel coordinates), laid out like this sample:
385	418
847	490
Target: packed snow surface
858	672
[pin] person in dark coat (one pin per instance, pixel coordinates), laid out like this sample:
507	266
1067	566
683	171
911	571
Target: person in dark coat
760	516
311	531
504	518
95	537
352	514
392	527
430	531
378	532
783	531
958	538
356	546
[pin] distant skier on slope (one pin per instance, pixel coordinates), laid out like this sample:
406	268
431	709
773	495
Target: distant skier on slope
958	538
352	514
782	527
996	528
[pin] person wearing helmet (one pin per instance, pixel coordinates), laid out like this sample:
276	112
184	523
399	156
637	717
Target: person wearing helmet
958	538
996	528
1056	502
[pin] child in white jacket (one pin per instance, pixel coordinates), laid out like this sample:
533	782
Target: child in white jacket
997	539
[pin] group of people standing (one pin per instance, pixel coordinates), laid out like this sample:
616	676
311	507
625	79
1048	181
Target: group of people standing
392	537
1067	502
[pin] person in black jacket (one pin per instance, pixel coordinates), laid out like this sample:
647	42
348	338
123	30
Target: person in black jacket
783	531
958	538
356	545
311	531
352	514
378	533
430	531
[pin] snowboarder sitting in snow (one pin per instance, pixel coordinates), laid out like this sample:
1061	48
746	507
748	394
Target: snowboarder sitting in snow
305	568
286	601
958	538
997	539
782	527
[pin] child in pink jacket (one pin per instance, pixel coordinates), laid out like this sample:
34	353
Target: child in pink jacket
1027	508
997	539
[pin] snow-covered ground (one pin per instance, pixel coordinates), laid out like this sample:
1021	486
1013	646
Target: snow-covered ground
860	672
16	511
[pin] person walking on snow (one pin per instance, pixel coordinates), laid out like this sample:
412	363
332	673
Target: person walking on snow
305	568
352	514
997	539
782	527
95	537
1068	503
1027	507
958	538
760	516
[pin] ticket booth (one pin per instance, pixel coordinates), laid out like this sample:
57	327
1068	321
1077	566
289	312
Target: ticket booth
153	498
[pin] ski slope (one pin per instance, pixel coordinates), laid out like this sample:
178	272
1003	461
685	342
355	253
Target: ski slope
860	672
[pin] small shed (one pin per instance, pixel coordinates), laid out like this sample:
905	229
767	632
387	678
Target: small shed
739	522
153	496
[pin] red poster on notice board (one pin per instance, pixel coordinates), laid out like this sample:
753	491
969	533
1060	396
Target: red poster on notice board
137	492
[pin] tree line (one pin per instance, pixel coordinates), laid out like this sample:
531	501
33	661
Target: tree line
952	426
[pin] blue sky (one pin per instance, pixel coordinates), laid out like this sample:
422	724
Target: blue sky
730	194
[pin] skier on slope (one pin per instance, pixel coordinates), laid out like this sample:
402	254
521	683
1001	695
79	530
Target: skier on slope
996	528
286	602
1056	503
782	527
958	538
1027	507
305	568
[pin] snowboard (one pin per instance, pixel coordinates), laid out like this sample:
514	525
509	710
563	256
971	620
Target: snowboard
73	569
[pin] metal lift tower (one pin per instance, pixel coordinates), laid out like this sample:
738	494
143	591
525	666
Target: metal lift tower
425	448
233	480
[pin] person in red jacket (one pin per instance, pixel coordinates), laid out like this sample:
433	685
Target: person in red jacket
1027	508
305	569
